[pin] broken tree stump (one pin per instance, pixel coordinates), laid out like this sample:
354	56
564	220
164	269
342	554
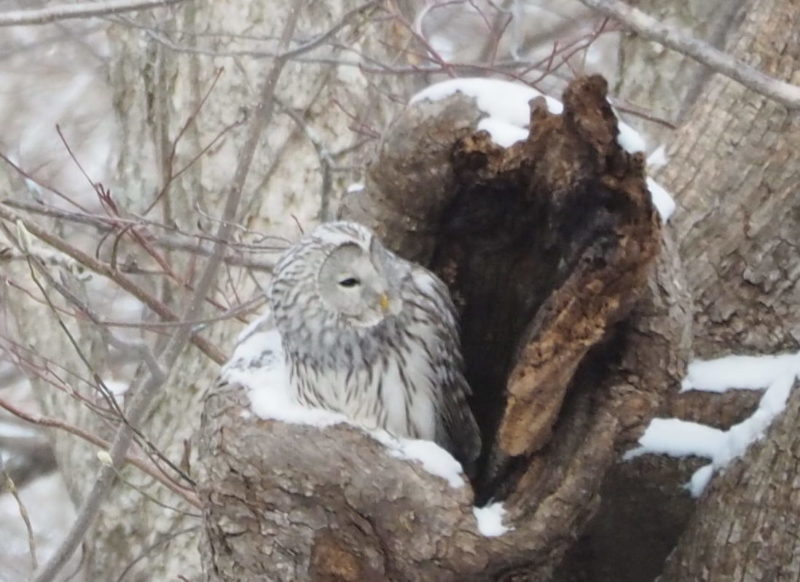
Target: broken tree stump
573	328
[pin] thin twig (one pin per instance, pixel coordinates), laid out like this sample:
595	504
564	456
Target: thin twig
151	498
111	208
11	487
44	371
146	552
103	269
35	266
170	160
246	308
81	10
683	42
326	163
175	240
40	184
102	444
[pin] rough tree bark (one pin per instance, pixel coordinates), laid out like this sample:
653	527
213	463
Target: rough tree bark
746	526
546	246
746	289
743	193
733	168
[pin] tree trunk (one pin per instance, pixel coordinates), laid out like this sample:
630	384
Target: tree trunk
568	362
742	194
746	289
733	169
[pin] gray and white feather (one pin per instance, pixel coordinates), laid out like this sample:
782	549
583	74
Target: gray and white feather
370	335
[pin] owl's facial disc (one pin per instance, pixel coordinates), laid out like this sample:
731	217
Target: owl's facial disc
352	286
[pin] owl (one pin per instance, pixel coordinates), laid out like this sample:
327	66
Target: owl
358	330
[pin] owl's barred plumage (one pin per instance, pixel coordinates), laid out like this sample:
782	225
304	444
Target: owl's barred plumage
373	336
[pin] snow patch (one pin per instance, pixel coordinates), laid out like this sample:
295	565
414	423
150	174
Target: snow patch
700	479
680	438
490	520
503	133
658	158
257	364
662	200
355	187
629	139
507	109
433	458
501	99
504	103
250	328
744	372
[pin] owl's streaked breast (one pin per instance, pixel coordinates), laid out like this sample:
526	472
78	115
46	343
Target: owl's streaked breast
391	388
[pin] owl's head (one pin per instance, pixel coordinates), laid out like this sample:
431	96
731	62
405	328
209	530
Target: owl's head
350	275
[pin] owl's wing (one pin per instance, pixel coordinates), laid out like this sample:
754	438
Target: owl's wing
456	430
459	431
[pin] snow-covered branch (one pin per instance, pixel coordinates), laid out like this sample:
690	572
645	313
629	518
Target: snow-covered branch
684	43
80	10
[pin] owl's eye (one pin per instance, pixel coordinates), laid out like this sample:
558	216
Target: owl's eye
349	282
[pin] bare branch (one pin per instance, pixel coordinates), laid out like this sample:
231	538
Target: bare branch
331	32
326	163
142	397
23	512
102	444
107	271
82	10
140	349
684	43
239	253
160	544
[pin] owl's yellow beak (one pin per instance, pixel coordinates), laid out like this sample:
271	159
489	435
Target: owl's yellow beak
383	301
